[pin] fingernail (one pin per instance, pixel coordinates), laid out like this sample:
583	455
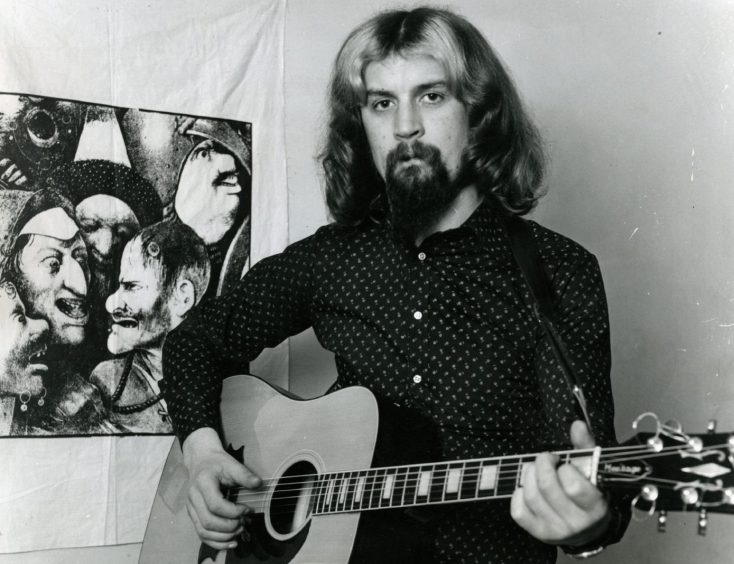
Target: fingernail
232	545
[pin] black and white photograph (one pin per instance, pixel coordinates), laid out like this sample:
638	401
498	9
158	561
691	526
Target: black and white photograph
346	282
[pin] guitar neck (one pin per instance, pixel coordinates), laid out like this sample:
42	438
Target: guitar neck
433	484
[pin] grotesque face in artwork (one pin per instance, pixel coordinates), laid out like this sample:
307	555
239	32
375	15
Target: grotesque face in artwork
22	346
107	224
140	311
208	194
53	275
417	131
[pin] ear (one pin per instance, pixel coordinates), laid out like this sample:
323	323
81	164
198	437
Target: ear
184	297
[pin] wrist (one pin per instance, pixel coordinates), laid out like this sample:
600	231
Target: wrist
203	441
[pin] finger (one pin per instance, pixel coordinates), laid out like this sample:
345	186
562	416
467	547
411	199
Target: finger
215	502
207	522
581	437
544	493
578	489
21	181
218	541
4	162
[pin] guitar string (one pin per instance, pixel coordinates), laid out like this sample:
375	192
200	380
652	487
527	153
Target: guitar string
338	492
508	467
503	462
385	503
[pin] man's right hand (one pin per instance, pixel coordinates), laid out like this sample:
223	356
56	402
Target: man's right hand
217	520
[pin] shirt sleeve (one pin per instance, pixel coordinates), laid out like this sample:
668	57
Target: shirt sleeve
221	336
582	323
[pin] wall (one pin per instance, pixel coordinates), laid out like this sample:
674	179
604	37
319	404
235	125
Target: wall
635	102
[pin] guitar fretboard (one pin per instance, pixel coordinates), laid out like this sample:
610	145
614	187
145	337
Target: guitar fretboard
431	484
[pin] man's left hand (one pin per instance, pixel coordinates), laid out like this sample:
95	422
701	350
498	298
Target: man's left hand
558	504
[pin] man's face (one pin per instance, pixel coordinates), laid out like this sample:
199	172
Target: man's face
107	223
418	132
22	346
140	315
207	197
409	101
54	280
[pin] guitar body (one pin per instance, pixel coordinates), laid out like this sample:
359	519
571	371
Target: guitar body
333	433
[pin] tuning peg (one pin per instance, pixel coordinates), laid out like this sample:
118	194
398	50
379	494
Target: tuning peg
702	522
662	520
711	426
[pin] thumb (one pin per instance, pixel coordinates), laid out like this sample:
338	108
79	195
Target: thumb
234	472
580	435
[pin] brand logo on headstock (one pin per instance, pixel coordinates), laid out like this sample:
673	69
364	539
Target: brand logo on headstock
631	469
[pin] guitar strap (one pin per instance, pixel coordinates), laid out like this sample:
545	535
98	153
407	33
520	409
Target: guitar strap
543	301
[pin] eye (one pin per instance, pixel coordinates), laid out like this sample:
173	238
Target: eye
433	97
52	263
382	104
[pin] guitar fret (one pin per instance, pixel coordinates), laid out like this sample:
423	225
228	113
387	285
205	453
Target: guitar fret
424	484
387	488
359	490
376	493
470	481
454	474
437	484
398	498
351	485
506	484
323	488
411	485
487	484
343	490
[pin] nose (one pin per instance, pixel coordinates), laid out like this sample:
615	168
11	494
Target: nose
103	240
38	327
74	277
112	302
408	122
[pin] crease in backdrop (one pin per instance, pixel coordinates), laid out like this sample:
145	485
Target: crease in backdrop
221	60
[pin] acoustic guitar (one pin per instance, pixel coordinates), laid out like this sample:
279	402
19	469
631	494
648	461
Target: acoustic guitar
317	460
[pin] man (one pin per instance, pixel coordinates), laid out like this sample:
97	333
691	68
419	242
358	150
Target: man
416	292
164	273
47	260
44	257
22	364
213	197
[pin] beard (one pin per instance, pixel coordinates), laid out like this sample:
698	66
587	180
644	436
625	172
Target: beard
418	187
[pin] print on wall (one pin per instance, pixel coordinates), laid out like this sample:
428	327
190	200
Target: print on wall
114	224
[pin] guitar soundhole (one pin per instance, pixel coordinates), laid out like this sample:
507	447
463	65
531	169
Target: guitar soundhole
291	503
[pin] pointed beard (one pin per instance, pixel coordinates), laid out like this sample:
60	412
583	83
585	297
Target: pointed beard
419	190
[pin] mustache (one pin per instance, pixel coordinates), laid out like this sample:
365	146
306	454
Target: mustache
417	150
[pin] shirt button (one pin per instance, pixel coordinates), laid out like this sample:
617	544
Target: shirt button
421	256
418	315
417	379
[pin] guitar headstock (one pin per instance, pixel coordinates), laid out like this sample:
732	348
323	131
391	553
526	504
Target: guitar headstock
669	470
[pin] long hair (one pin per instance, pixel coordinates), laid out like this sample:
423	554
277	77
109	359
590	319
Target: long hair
504	157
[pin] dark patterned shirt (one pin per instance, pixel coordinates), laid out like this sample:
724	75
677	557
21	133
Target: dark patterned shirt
444	327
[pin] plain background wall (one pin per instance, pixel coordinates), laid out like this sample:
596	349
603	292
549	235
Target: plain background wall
635	99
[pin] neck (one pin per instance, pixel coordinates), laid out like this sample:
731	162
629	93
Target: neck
458	212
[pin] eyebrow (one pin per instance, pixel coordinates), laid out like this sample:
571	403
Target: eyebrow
419	88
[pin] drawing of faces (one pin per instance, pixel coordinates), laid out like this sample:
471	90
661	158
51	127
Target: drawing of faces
140	314
107	223
22	347
208	194
54	276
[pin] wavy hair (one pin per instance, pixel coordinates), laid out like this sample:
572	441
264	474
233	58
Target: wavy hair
504	157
